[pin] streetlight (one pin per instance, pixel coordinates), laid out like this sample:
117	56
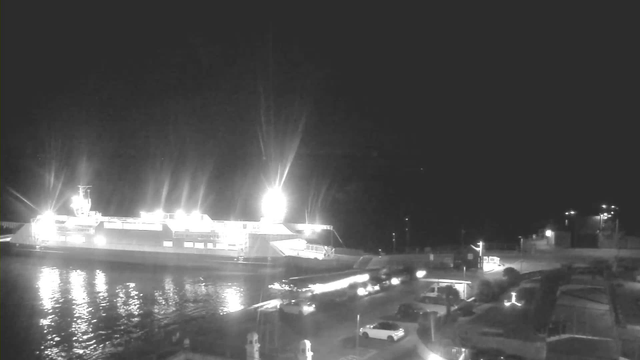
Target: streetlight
274	205
568	214
393	237
605	215
479	250
408	231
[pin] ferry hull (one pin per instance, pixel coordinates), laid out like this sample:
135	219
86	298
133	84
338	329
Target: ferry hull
221	264
287	266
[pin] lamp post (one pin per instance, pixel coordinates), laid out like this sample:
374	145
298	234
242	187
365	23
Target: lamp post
358	334
570	215
393	238
479	250
608	212
407	229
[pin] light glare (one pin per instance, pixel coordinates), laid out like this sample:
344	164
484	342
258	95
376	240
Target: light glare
274	205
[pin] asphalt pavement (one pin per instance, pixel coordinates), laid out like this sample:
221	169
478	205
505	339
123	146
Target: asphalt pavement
333	331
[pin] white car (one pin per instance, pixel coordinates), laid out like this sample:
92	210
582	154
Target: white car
384	330
297	307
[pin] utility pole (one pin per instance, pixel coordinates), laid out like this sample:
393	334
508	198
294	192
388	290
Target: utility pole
393	238
407	228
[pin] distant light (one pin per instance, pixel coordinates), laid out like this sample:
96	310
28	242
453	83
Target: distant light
604	206
99	240
274	205
567	213
361	291
548	233
407	218
395	281
420	273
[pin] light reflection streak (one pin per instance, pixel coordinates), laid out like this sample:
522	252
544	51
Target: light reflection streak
49	289
166	300
128	301
81	317
233	297
101	288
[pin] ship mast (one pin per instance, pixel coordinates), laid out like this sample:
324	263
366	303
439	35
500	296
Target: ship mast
80	203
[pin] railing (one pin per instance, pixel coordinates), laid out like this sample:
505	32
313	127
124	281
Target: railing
326	251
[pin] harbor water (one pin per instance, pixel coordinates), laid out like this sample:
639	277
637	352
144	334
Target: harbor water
55	309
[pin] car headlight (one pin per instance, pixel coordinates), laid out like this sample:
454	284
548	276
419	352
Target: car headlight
420	274
395	281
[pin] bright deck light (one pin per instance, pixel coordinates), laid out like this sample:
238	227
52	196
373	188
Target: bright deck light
180	215
274	205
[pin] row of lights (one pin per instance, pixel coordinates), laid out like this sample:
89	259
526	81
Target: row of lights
274	208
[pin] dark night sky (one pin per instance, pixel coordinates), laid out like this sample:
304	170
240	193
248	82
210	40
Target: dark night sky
491	119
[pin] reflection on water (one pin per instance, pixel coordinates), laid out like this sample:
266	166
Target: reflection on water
81	329
233	299
88	310
49	290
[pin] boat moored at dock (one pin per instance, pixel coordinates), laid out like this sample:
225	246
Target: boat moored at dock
174	239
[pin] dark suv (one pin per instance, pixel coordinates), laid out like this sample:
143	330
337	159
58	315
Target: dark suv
409	312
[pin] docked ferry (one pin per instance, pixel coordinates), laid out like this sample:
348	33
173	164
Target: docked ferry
177	239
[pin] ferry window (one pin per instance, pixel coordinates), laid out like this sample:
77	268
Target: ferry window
188	244
199	245
167	243
209	245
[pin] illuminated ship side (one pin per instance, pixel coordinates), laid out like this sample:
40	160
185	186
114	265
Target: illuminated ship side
173	238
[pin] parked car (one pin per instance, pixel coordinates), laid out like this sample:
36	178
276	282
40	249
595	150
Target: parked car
398	277
384	330
409	312
297	307
382	282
